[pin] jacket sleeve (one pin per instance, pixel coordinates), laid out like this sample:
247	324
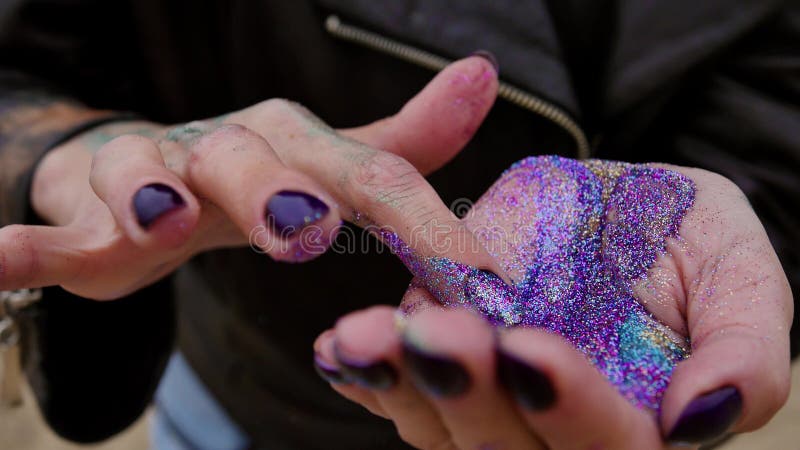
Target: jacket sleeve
745	124
44	49
33	119
93	366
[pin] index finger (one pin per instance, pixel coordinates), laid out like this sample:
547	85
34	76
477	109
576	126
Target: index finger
386	194
463	93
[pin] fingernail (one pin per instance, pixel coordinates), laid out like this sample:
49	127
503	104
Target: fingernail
378	375
153	201
288	212
529	386
438	375
707	417
328	371
489	56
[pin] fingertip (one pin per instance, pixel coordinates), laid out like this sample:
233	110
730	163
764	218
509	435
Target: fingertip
518	341
39	256
474	76
288	212
310	243
707	417
546	353
377	313
148	201
368	334
464	92
323	339
296	226
528	384
153	201
439	121
331	370
559	392
164	214
489	56
458	335
449	356
755	382
552	356
325	360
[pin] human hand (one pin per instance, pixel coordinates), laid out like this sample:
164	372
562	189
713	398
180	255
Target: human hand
271	175
449	380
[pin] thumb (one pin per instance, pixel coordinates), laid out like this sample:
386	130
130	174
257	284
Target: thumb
439	121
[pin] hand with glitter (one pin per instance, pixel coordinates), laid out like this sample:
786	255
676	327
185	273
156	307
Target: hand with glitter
645	307
129	202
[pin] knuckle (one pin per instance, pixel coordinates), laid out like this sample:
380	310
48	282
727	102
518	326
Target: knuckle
276	105
387	178
226	137
112	157
290	117
126	140
227	132
275	110
123	144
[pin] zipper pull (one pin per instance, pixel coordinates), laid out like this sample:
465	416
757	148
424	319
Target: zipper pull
10	364
11	377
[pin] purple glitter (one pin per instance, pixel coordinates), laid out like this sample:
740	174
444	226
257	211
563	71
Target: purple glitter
581	234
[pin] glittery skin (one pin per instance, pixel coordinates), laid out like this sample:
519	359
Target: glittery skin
579	235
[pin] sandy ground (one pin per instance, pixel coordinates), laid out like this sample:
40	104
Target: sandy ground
23	429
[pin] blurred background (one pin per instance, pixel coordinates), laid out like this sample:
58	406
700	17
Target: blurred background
23	429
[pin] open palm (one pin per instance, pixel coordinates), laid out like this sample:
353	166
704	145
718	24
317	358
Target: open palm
636	267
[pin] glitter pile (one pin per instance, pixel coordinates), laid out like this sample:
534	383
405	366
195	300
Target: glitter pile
581	233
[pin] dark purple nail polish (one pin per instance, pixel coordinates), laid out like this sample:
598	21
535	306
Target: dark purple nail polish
707	417
489	56
328	371
378	375
529	386
153	201
289	211
437	375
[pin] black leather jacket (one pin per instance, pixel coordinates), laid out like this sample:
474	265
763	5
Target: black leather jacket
714	84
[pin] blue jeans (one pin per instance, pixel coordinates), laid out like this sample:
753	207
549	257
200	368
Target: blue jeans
187	417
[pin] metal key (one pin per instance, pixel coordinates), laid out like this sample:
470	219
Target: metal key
11	378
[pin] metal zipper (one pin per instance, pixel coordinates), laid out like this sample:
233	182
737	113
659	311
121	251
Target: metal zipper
422	58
